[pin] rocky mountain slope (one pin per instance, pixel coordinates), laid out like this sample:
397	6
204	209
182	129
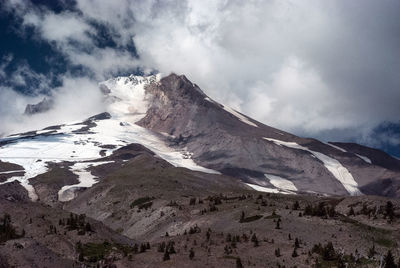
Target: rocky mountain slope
175	119
225	140
168	177
144	212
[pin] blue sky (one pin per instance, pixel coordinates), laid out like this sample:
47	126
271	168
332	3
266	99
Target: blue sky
319	69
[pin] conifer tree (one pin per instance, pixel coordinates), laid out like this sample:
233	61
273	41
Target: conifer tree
239	263
166	256
191	254
389	260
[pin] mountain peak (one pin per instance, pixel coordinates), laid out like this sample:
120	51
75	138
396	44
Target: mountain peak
175	86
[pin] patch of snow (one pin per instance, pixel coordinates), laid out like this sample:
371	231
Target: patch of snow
241	117
32	167
338	170
208	99
128	96
281	183
366	159
267	189
336	147
110	132
70	128
41	132
86	179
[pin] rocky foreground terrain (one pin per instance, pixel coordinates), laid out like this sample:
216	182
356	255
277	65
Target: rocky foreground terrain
144	212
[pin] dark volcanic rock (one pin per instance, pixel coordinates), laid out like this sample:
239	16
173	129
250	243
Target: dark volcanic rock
41	107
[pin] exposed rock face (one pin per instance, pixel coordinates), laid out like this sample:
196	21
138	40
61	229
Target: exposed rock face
234	144
40	107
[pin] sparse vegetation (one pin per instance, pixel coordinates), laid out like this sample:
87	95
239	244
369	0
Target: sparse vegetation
320	210
75	222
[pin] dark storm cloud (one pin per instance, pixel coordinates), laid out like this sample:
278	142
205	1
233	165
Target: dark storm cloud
310	67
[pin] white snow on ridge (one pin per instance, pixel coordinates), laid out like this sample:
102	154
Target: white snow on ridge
262	188
281	183
208	99
336	147
133	133
366	159
241	117
334	166
127	105
267	189
127	95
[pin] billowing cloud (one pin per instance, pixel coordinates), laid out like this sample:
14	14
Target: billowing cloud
303	66
309	67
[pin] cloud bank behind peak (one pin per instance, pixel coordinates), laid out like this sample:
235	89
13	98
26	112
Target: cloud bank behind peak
314	68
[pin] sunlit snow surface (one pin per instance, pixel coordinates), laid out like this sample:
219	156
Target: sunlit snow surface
336	147
127	104
281	183
366	159
338	170
263	188
86	179
241	117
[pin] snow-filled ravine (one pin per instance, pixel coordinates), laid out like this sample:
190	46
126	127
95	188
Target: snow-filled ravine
126	101
86	179
338	170
282	185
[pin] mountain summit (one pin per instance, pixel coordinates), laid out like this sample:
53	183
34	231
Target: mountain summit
175	119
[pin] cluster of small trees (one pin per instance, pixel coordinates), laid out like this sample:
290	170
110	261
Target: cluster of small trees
94	252
75	222
296	205
327	251
193	230
387	211
167	249
320	210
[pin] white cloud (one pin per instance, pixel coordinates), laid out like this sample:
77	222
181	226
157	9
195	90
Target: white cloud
304	66
77	99
61	28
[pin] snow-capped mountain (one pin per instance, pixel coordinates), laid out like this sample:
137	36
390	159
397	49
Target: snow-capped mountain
179	123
